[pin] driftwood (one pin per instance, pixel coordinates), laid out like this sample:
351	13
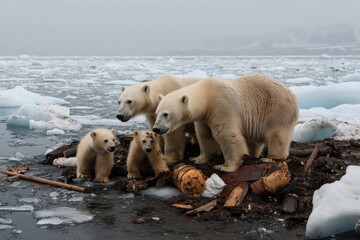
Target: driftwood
46	181
182	206
236	197
204	208
59	152
71	152
312	157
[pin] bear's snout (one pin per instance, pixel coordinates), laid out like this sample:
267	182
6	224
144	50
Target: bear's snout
120	117
111	149
156	130
147	150
160	130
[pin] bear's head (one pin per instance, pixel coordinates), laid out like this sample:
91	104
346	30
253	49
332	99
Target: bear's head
103	140
171	113
132	101
146	140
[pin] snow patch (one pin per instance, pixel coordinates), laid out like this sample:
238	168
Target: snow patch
62	215
336	206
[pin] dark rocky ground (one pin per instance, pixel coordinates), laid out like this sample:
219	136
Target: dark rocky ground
328	166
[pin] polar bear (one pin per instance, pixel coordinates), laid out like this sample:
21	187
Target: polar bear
142	99
235	117
145	146
96	151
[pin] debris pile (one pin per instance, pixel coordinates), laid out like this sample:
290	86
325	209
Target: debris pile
281	189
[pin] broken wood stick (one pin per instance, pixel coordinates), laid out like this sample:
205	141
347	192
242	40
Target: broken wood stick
236	196
312	157
46	181
204	208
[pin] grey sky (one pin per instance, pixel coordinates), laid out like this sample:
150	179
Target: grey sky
138	27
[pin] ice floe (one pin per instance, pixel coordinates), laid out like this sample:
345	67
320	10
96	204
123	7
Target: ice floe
62	215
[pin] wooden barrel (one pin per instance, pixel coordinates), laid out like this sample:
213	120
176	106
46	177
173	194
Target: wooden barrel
189	180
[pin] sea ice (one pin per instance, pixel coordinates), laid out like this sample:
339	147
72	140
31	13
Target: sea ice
18	96
62	215
327	96
23	208
55	131
336	206
353	77
5	221
163	193
30	200
76	199
313	130
3	226
43	117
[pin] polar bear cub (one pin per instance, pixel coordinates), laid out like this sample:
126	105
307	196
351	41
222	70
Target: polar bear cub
235	117
96	151
145	146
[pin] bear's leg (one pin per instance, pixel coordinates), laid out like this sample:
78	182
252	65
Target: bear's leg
233	146
103	167
83	166
158	162
278	143
175	145
134	161
208	145
255	149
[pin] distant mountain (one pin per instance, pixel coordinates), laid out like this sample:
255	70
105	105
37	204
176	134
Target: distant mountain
341	39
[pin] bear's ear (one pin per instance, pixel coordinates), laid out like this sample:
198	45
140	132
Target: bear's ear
113	131
122	89
93	134
136	133
184	99
160	96
146	89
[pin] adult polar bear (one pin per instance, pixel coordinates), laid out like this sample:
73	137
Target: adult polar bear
239	116
142	98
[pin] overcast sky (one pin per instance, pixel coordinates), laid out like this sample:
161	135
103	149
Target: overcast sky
139	27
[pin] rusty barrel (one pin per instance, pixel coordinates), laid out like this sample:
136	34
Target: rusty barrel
189	180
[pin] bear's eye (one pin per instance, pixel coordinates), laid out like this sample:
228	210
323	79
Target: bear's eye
152	141
114	140
106	140
119	102
128	101
165	114
144	141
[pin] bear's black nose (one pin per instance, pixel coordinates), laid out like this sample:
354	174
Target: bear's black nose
111	149
120	117
148	150
157	130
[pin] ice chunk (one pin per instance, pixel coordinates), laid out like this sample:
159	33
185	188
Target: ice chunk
127	196
30	200
55	131
54	194
3	226
44	117
302	80
23	208
76	199
353	77
313	130
18	96
5	221
18	157
336	206
161	193
327	96
62	215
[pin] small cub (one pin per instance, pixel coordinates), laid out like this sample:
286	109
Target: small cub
145	145
96	151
